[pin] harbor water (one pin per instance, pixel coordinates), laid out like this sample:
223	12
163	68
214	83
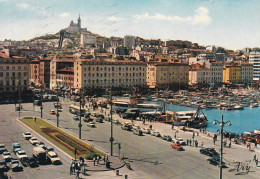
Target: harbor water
241	120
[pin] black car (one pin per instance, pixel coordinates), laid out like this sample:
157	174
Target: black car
2	148
32	162
3	166
15	165
215	160
208	151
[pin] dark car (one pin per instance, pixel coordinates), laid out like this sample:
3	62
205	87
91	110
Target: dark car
2	148
100	120
15	165
215	160
88	119
101	116
167	138
3	166
32	162
208	151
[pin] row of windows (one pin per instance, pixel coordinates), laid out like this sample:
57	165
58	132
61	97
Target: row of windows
12	83
13	74
113	81
108	75
113	69
12	67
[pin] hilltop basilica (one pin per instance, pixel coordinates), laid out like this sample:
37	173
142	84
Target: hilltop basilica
75	27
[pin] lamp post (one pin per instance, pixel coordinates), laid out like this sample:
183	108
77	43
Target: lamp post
57	107
41	101
19	88
221	124
111	137
80	125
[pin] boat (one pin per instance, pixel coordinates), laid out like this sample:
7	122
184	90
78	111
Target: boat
252	105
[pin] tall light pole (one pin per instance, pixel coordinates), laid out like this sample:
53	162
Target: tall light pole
111	114
19	88
41	101
80	125
57	107
221	124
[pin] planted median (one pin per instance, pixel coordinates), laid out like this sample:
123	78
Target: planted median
62	139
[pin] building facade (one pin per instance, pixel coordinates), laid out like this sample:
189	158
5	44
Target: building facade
216	69
34	72
44	75
232	73
246	72
170	74
109	73
254	58
199	75
129	41
14	73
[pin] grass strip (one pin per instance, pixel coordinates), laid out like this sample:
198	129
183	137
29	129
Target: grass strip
40	124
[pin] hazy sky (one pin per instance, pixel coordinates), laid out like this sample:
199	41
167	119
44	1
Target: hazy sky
233	24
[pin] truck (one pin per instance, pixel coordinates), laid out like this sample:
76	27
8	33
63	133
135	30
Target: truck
40	154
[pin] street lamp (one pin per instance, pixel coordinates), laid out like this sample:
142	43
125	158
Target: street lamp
222	125
111	137
80	101
41	101
57	107
19	88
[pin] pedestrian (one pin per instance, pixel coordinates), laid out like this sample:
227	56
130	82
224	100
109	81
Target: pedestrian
104	158
94	161
196	143
256	162
255	144
143	121
172	126
71	166
254	157
151	127
190	142
229	146
202	144
187	141
97	159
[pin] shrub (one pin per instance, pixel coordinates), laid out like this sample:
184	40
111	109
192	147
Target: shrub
70	142
91	155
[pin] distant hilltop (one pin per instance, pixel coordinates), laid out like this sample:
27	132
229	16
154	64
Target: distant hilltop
75	27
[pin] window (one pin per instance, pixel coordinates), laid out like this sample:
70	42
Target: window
112	68
89	69
7	67
85	69
7	74
1	74
25	74
97	75
13	74
19	67
13	67
119	68
97	69
25	82
126	68
105	68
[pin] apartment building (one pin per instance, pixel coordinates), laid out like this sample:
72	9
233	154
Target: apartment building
232	73
14	73
216	69
34	72
199	75
107	73
246	72
170	74
254	58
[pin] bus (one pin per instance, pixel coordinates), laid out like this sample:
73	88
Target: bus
76	110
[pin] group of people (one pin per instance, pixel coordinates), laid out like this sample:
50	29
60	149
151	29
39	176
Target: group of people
96	160
77	166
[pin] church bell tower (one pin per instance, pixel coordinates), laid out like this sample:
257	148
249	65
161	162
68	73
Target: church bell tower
79	22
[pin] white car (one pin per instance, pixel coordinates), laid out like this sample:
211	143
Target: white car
40	144
27	135
7	156
21	154
156	134
136	127
91	124
33	141
179	140
53	157
146	131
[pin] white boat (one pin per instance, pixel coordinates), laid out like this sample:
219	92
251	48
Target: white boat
253	105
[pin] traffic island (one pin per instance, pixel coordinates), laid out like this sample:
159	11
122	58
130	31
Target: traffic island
61	139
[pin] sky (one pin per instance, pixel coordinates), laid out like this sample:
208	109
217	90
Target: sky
233	24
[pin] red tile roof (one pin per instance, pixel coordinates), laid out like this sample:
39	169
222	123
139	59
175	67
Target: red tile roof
3	55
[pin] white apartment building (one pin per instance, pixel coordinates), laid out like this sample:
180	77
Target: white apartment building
14	73
199	75
216	69
254	58
109	73
246	72
129	41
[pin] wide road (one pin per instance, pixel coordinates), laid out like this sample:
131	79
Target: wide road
149	154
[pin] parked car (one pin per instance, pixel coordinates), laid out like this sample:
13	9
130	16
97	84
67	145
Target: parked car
135	127
156	134
32	162
47	149
33	141
16	147
21	154
3	166
116	121
215	160
7	156
88	119
100	120
52	112
2	148
27	135
108	119
53	158
91	124
177	146
179	140
100	116
127	126
138	132
15	165
76	118
209	152
40	144
167	138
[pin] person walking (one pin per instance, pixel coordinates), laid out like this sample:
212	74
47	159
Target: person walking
202	144
256	162
71	166
214	141
187	141
190	142
256	143
229	146
94	161
97	159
